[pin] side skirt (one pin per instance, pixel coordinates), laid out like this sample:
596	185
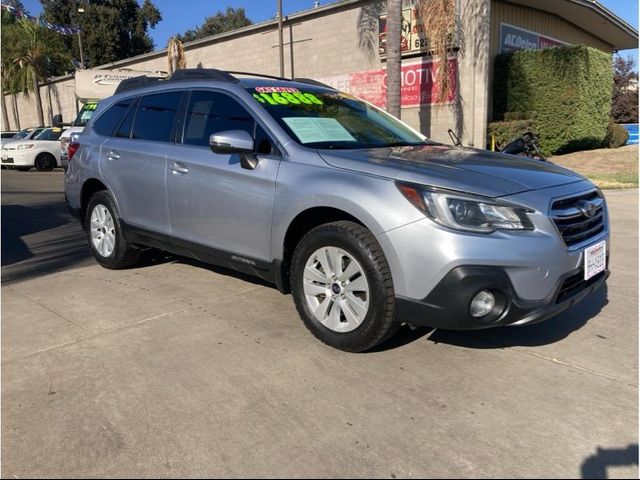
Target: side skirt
270	272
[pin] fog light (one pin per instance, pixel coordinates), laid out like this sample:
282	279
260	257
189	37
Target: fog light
482	304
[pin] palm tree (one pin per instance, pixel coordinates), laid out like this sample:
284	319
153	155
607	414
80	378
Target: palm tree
5	82
394	22
439	18
175	55
34	59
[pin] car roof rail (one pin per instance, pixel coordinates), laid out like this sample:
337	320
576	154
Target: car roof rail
202	74
250	74
311	81
136	82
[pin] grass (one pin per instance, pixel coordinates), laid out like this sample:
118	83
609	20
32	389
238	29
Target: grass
608	168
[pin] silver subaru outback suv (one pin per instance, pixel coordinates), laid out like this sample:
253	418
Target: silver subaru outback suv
362	219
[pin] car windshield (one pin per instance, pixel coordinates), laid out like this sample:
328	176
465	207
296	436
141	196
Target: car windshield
23	133
333	120
85	114
49	134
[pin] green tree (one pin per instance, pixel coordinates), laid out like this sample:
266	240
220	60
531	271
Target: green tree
34	56
231	19
624	101
111	29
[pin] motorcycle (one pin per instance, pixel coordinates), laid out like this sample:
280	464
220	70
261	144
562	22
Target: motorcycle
527	145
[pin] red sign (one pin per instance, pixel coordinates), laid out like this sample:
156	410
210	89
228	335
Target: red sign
418	84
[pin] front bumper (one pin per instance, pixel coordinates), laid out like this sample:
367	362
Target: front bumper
447	306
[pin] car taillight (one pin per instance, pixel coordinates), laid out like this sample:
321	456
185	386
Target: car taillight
72	149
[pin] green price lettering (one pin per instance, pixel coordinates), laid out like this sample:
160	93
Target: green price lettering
287	98
313	98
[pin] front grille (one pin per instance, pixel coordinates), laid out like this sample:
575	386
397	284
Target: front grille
573	223
575	284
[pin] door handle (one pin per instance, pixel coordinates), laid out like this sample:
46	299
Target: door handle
112	155
178	168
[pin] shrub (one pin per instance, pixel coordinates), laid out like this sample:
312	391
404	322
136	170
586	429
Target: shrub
617	136
568	88
508	130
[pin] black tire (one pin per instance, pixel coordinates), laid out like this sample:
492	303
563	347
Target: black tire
124	254
378	324
45	162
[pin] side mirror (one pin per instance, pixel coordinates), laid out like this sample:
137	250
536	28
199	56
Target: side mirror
231	141
57	120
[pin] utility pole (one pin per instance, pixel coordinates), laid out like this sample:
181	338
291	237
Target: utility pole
81	55
80	10
281	41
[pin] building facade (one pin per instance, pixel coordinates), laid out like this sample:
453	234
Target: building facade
342	44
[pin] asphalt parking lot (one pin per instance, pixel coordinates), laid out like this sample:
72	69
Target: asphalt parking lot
178	369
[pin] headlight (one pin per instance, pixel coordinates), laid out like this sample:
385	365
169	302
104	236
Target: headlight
466	212
24	146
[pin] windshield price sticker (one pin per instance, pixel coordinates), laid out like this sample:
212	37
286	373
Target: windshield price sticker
287	96
90	106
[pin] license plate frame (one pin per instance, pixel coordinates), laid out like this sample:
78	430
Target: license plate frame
595	259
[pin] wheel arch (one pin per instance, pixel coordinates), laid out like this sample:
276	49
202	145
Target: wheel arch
302	223
89	187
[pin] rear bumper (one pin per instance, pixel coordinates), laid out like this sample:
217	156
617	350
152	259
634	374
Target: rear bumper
447	306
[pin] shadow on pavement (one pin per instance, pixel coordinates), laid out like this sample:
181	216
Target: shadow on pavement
55	241
595	466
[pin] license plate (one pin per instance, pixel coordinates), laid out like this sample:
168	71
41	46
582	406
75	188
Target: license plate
595	260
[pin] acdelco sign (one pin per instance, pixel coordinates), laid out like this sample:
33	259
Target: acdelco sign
515	38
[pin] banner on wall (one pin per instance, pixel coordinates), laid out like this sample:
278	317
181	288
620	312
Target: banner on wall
418	84
516	38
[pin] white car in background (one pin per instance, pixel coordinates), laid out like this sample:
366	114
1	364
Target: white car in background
38	148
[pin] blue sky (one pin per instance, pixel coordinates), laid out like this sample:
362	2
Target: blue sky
180	15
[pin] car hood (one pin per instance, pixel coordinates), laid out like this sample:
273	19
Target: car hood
38	144
465	169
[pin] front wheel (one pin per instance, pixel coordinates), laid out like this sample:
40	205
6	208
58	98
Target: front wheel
342	286
106	240
45	162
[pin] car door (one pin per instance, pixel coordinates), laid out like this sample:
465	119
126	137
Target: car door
134	159
214	201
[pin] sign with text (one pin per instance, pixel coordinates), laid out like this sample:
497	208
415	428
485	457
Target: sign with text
418	84
412	31
515	38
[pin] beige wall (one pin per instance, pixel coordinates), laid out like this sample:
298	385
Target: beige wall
339	40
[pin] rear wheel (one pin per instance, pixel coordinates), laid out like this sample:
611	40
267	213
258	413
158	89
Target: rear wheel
342	287
45	162
106	240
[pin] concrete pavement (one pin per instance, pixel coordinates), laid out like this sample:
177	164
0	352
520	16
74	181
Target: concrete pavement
178	369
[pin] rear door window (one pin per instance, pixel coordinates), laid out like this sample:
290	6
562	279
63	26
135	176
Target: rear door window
107	122
156	116
124	129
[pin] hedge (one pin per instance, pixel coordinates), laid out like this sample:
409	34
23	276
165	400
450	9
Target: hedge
504	132
566	89
617	136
